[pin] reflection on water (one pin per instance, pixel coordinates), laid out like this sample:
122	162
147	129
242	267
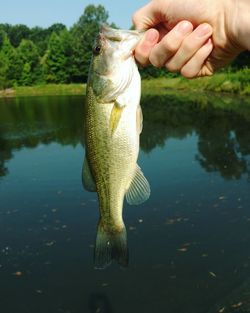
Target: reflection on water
223	135
99	303
189	243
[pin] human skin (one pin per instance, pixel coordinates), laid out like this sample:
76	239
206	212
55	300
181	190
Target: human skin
192	37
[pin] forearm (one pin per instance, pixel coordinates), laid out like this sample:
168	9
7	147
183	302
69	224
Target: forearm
242	23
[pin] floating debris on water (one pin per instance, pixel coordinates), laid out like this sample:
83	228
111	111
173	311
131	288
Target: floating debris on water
237	305
50	243
182	249
132	228
222	197
212	274
171	221
18	273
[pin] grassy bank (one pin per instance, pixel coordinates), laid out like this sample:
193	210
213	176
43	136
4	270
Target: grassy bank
45	90
231	83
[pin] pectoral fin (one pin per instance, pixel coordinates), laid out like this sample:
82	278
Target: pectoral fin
87	178
115	117
139	189
139	119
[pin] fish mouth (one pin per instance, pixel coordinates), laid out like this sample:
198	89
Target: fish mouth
126	39
114	34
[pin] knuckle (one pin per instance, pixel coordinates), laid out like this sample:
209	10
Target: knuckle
187	47
187	73
141	59
172	67
155	61
169	46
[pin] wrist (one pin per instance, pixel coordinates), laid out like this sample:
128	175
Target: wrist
241	23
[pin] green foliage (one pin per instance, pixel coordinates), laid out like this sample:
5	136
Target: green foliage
54	61
12	61
26	77
40	36
242	77
3	71
30	59
84	33
30	56
15	33
28	53
153	72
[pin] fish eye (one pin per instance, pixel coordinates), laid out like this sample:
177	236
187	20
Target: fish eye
97	50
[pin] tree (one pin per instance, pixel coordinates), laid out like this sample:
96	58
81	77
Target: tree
54	61
16	33
12	61
26	77
56	28
40	36
29	56
84	33
67	43
3	71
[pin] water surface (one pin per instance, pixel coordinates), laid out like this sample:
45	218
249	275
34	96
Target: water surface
188	244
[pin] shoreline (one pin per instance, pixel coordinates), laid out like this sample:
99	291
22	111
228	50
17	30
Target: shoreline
227	83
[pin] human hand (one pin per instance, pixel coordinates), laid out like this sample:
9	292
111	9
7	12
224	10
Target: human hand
179	31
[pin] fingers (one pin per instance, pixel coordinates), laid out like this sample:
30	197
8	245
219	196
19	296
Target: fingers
150	15
144	47
189	47
180	50
197	66
170	43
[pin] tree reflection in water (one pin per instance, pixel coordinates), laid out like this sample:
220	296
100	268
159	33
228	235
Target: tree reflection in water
222	125
99	302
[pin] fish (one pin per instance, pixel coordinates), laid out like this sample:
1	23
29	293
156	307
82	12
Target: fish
113	124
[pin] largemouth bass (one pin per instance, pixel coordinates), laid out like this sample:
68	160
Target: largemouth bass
113	123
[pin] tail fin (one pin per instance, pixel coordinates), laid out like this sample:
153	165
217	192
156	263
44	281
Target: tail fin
110	246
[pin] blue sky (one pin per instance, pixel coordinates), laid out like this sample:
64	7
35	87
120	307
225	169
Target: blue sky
46	12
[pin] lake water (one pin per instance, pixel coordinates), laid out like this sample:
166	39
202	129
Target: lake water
188	244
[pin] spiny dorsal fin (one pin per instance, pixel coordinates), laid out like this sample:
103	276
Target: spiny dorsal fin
87	178
139	189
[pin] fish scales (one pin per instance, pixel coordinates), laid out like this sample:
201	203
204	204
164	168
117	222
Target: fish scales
113	123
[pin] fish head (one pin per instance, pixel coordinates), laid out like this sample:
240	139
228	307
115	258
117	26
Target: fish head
111	48
113	65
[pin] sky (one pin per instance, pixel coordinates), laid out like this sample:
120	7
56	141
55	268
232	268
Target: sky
47	12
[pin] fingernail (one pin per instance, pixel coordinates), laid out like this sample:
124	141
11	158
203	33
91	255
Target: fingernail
184	27
151	36
203	30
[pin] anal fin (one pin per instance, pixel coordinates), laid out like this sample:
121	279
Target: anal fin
139	189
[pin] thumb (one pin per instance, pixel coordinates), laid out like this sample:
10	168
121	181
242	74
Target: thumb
150	15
